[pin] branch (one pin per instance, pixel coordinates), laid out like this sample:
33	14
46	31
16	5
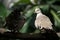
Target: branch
19	35
50	35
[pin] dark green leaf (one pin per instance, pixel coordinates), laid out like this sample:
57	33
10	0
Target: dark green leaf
3	10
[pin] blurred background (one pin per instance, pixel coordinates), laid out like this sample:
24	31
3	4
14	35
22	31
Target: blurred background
51	8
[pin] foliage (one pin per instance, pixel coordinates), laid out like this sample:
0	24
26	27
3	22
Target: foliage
49	8
3	14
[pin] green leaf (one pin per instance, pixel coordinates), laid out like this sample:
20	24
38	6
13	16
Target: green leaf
29	13
26	1
28	17
23	1
55	16
47	1
3	10
56	21
25	26
45	8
